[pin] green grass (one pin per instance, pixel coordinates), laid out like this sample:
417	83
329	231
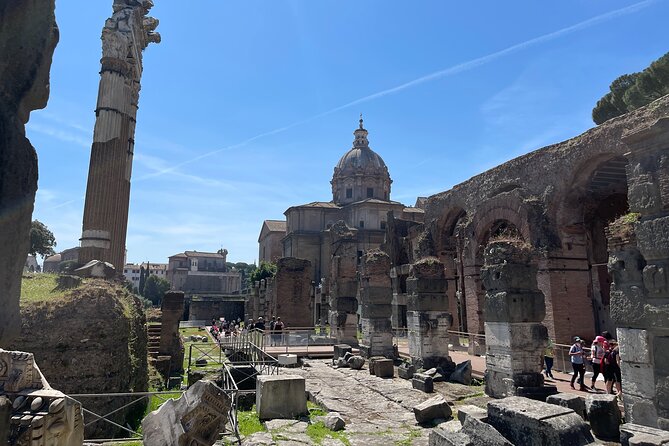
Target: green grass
318	432
39	287
158	400
211	348
249	423
408	441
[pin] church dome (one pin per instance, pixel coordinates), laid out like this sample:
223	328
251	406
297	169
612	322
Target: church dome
361	173
361	158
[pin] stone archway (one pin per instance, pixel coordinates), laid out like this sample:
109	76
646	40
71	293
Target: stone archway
597	196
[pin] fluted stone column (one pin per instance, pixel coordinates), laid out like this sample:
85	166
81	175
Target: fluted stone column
640	288
376	298
514	308
124	37
428	318
344	284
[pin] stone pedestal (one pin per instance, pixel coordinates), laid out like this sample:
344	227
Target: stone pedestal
639	265
376	296
514	309
280	396
344	284
39	415
428	318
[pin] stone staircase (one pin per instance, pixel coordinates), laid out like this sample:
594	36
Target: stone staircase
153	331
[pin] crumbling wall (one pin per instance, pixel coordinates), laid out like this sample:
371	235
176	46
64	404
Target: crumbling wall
292	292
541	195
28	36
93	340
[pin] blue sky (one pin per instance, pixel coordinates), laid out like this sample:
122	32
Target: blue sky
247	106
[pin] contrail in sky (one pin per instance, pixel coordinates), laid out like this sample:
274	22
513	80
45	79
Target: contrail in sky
455	69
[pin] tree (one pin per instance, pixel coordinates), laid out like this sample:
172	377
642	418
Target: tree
155	288
42	240
143	273
631	91
265	270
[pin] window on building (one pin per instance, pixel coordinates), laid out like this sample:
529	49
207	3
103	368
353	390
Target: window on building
370	192
383	225
362	223
349	193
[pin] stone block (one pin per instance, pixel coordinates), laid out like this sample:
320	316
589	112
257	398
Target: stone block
569	400
372	360
510	276
334	421
280	396
640	411
639	435
406	370
504	306
197	417
634	345
427	302
539	393
340	350
526	337
376	311
432	409
426	285
604	416
356	362
422	382
384	368
462	373
639	379
287	359
441	437
469	410
526	422
483	434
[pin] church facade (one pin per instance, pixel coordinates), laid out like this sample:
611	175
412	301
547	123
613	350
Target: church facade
361	187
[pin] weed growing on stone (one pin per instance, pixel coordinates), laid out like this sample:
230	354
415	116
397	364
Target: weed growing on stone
249	423
408	441
318	432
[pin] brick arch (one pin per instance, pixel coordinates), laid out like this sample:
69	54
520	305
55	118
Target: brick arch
567	207
508	208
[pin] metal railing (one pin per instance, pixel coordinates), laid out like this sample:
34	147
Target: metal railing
91	417
308	340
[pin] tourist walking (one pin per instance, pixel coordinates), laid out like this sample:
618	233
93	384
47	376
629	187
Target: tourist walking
611	364
576	354
596	354
272	336
548	358
278	329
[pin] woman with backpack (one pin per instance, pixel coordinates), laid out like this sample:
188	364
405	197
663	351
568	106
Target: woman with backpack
611	363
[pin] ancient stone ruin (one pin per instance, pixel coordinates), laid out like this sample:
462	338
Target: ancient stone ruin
514	308
639	263
124	37
35	414
291	298
344	284
428	319
28	36
376	297
195	419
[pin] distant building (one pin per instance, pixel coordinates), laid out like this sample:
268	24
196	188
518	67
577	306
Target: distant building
31	264
269	240
131	271
52	264
203	273
360	197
